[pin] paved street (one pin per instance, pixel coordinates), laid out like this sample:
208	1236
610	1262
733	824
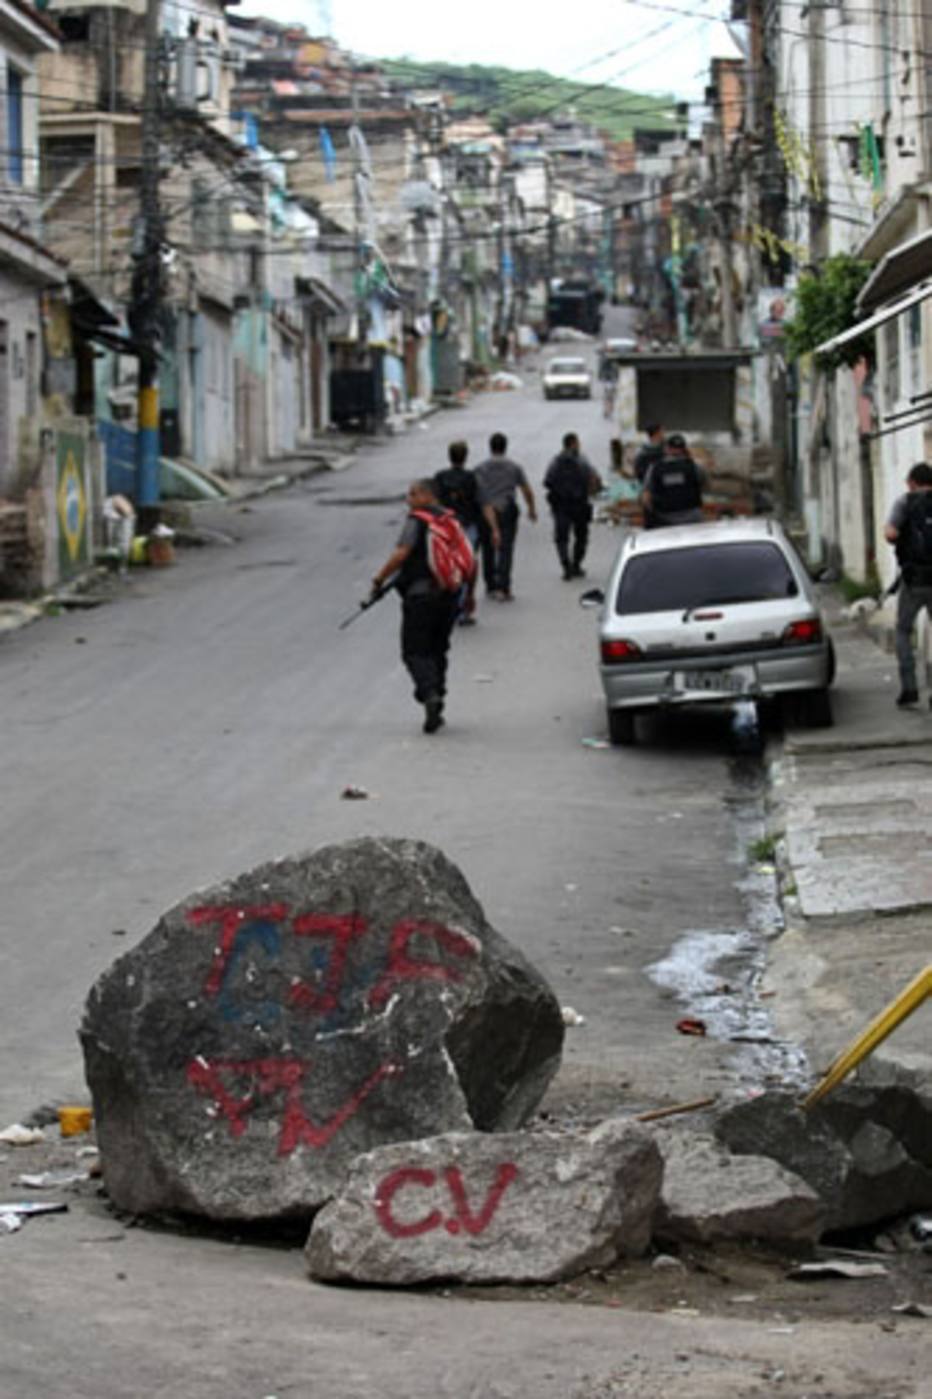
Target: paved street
211	718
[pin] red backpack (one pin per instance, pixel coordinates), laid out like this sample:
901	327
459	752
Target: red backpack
450	555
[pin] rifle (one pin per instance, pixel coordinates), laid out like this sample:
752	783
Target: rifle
370	601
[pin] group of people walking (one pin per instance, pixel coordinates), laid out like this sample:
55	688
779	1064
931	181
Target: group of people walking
483	503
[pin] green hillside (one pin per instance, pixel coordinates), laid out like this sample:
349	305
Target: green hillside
509	95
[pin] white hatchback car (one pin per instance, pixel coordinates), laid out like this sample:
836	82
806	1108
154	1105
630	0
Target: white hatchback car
711	613
567	378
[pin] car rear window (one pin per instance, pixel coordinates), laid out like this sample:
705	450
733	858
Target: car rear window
708	573
568	366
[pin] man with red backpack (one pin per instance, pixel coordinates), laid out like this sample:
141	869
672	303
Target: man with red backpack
429	565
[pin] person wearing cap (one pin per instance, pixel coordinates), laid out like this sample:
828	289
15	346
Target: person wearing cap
673	487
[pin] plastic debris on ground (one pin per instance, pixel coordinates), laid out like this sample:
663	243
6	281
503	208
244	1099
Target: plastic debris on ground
504	380
572	1017
596	743
690	1026
354	794
836	1268
18	1135
52	1180
13	1215
75	1119
913	1309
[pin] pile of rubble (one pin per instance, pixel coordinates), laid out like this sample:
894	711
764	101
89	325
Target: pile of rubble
343	1038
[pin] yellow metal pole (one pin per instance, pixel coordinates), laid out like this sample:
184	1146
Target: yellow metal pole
903	1005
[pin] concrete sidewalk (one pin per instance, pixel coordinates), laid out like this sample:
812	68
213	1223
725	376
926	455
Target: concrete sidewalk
853	805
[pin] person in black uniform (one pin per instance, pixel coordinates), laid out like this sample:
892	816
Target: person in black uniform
427	610
458	489
673	487
570	481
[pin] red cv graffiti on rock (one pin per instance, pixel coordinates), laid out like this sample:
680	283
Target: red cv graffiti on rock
461	1216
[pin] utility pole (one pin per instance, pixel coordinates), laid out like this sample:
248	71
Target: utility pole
721	200
147	283
361	256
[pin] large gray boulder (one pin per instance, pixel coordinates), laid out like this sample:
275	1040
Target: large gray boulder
520	1207
866	1148
270	1029
710	1196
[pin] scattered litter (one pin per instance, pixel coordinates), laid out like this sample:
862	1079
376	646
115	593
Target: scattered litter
85	1151
504	380
782	1330
18	1135
22	1209
52	1180
354	794
682	1310
920	1226
572	1017
913	1309
571	888
596	743
74	1119
837	1268
689	1026
746	1297
118	932
654	1114
9	1223
667	1260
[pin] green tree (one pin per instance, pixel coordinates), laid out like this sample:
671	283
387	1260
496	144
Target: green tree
825	306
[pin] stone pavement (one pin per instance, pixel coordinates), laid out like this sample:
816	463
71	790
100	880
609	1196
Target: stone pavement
853	806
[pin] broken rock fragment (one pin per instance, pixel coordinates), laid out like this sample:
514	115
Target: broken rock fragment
269	1030
528	1207
710	1196
866	1149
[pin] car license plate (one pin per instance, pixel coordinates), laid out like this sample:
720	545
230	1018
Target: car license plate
736	680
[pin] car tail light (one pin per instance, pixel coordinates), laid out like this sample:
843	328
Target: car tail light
615	651
803	633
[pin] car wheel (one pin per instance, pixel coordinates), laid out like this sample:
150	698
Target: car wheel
831	663
620	726
547	395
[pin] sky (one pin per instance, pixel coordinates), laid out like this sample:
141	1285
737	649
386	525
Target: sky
651	46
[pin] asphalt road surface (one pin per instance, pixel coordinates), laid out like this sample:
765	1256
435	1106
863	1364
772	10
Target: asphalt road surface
210	718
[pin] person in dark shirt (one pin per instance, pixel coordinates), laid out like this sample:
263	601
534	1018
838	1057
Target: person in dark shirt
458	489
673	487
909	529
651	451
570	481
428	611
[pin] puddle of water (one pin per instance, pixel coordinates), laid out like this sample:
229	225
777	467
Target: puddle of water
714	974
